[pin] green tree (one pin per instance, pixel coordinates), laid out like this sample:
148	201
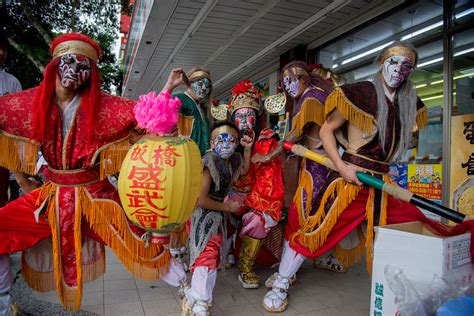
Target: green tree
30	25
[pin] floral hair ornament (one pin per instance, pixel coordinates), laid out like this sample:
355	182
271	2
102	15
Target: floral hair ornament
158	114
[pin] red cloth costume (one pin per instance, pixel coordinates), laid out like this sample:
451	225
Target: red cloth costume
266	194
341	207
78	205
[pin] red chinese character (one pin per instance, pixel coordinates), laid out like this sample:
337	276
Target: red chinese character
146	174
140	200
147	218
138	152
166	156
135	199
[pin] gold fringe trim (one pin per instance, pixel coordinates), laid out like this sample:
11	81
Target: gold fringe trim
78	252
47	190
56	250
70	297
38	281
337	100
314	231
349	257
383	211
107	219
422	118
45	281
111	158
369	235
18	153
311	111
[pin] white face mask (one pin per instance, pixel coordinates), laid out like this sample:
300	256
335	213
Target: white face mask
396	69
291	86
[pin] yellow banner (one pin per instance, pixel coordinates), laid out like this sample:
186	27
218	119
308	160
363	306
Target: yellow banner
462	164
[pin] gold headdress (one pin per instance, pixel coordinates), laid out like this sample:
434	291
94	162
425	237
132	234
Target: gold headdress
244	95
398	50
295	70
75	47
224	129
198	74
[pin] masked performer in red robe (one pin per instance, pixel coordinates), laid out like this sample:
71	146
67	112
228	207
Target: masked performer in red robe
374	122
84	135
261	189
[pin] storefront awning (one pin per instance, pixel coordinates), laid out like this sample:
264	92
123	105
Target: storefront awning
235	40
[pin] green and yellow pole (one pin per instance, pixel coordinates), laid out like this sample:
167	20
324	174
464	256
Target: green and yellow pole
379	184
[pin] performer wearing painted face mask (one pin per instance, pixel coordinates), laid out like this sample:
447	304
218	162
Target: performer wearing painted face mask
261	190
309	91
74	70
193	120
222	166
374	122
84	135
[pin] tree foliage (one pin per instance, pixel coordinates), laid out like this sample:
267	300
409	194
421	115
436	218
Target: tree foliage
31	24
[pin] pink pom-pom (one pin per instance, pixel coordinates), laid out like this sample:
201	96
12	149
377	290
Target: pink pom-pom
158	114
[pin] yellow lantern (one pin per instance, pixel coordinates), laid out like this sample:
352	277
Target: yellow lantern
160	181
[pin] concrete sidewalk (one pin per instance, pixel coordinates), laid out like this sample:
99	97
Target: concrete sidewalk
316	292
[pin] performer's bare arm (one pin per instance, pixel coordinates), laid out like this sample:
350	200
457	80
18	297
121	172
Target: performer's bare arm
26	184
246	142
175	79
206	202
327	134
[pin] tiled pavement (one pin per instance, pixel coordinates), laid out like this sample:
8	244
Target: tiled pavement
316	292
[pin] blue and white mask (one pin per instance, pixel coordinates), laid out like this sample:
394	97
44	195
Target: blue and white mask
225	145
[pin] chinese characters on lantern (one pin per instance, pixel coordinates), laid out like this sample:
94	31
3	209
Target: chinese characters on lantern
147	183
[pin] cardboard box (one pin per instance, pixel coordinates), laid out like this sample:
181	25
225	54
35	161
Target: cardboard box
421	255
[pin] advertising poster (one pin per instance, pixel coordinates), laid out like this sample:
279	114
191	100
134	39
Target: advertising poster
425	180
462	164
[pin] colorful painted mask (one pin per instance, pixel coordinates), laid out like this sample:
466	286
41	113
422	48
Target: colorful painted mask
244	119
74	70
396	69
225	145
201	88
291	86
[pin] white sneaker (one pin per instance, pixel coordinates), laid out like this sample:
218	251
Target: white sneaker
271	279
201	308
276	300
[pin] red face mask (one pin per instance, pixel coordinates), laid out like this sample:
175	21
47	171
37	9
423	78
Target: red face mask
74	70
245	119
